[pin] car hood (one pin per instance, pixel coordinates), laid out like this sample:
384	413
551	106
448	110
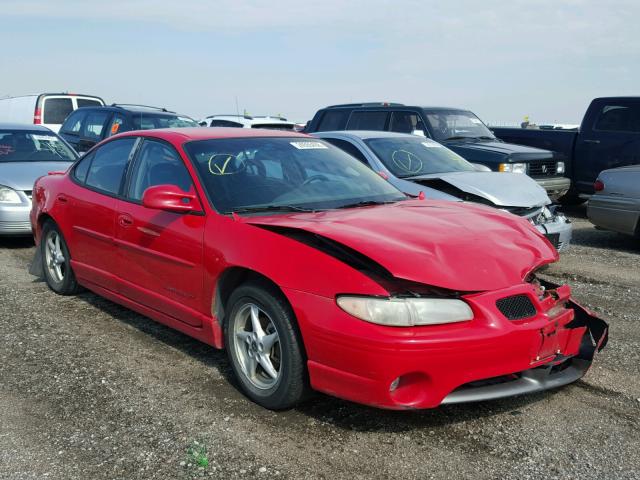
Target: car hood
501	189
516	152
22	175
458	246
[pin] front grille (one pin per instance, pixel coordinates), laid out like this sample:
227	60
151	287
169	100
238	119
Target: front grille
516	307
542	169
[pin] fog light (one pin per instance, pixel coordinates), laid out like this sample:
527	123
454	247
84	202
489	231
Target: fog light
394	384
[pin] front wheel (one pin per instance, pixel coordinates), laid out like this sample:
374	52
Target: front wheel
56	261
264	347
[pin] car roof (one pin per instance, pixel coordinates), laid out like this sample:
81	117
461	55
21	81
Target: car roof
182	135
133	108
24	126
384	105
365	134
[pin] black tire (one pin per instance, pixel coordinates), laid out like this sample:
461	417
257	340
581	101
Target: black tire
67	284
292	385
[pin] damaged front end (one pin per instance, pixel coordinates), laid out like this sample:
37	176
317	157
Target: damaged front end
569	342
554	225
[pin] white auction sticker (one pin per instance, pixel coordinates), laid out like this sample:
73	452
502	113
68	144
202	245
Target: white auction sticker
476	121
431	144
308	145
45	138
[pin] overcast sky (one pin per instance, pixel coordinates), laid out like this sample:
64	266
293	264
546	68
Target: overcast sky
501	59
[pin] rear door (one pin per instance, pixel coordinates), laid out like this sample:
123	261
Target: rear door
160	253
93	128
70	129
91	210
54	110
609	138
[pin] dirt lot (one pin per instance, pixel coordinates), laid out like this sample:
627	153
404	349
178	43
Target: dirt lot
90	390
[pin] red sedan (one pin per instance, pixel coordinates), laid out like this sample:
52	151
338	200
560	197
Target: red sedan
311	270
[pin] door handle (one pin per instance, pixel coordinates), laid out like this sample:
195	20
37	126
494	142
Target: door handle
591	141
62	198
125	220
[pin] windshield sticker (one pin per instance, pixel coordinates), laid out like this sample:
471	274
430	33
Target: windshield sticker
45	138
431	144
6	149
308	145
406	161
475	120
225	164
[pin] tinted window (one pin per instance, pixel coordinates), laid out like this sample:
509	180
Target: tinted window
158	164
145	121
85	102
619	118
245	173
81	169
410	156
117	125
367	121
109	164
94	124
56	109
73	123
348	147
456	124
225	123
333	120
33	146
406	122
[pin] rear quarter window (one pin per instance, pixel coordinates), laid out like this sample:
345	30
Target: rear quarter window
333	120
368	121
87	102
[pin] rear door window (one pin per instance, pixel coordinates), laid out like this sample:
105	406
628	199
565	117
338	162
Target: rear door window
87	102
406	122
619	118
56	110
108	165
367	121
94	125
117	125
333	120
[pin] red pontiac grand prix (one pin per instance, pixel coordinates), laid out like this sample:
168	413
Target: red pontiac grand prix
312	271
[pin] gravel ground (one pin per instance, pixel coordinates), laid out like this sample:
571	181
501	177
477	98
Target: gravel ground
90	390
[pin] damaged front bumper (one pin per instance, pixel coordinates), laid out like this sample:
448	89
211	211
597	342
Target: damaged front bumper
490	357
555	227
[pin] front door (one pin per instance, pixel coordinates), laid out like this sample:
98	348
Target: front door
612	141
160	252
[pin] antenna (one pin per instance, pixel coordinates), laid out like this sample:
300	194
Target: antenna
237	109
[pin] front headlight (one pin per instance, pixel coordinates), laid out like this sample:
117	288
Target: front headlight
560	167
406	312
513	167
9	195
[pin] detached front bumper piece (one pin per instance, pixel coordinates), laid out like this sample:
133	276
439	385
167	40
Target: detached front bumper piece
557	373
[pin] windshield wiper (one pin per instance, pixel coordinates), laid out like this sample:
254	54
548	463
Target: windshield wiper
485	137
456	137
270	208
367	203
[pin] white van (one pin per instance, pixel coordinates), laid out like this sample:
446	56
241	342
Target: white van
47	109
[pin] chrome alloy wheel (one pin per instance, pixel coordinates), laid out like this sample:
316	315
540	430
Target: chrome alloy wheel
54	256
257	346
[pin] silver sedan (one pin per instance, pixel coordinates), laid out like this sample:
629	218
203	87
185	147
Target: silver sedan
616	203
27	152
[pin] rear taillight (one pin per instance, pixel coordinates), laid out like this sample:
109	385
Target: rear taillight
37	116
598	186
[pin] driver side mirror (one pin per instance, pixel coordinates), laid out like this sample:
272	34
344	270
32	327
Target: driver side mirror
170	198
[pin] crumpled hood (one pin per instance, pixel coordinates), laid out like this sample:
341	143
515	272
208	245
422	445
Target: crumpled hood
482	149
22	175
458	246
501	189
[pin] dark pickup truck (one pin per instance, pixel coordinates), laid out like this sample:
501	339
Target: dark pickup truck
608	137
460	130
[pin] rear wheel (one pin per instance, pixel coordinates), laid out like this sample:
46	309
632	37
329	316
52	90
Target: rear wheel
264	347
56	261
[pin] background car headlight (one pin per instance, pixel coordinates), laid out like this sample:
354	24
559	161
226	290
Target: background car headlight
9	195
513	167
406	312
560	167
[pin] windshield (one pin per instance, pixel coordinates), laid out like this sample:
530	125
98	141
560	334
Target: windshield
33	146
242	174
454	124
414	156
145	121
